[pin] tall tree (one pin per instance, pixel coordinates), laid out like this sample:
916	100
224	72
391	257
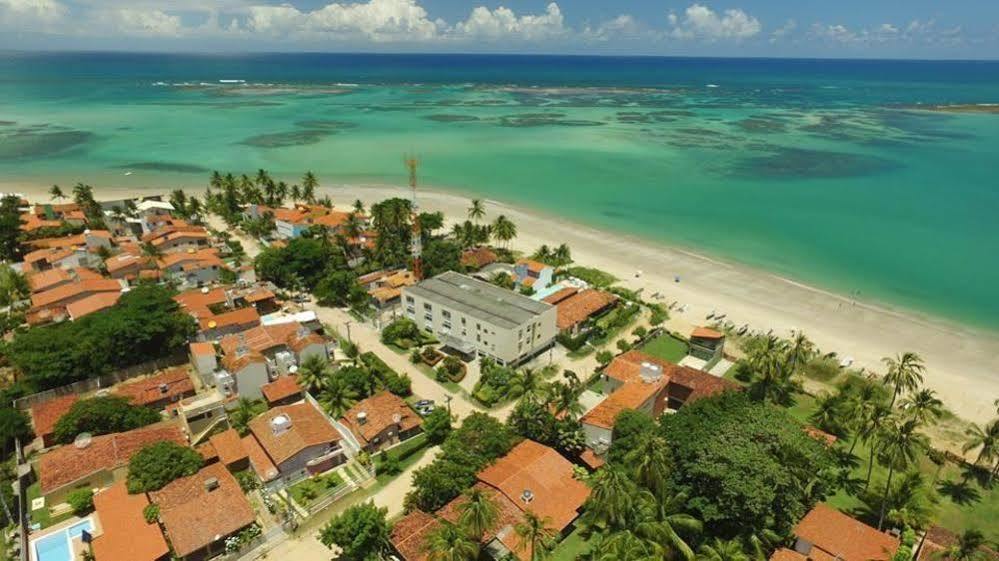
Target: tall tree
56	193
900	444
361	532
650	462
10	229
450	543
309	186
478	513
663	522
504	230
477	210
905	373
314	372
613	500
924	406
965	548
986	441
722	550
536	535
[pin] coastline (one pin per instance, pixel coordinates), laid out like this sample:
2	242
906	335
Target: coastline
962	361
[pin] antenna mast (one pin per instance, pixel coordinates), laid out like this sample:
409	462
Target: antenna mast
417	244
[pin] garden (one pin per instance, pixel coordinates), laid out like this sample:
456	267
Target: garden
306	492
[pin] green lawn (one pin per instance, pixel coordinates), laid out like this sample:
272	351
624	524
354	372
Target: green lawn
980	510
571	547
307	491
666	347
429	372
408	452
42	515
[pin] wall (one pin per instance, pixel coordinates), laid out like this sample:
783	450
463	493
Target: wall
250	379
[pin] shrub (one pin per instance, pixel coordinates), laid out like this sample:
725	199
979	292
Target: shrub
247	480
623	345
389	464
156	465
570	342
102	415
81	501
415	357
437	425
402	328
451	368
605	357
151	513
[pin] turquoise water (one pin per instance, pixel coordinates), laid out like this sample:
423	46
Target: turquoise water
820	171
56	547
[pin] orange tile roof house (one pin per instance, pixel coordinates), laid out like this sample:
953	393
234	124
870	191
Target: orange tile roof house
124	533
297	439
90	304
381	420
68	293
199	511
283	391
531	477
826	534
478	257
229	448
578	306
939	539
255	356
45	415
158	391
643	382
100	463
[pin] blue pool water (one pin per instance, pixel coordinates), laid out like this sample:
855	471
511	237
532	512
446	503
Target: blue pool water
56	547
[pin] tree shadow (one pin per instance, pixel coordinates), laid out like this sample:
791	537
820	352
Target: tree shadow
959	492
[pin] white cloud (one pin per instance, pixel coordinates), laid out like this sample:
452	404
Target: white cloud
503	23
30	15
838	33
701	22
377	20
623	26
146	23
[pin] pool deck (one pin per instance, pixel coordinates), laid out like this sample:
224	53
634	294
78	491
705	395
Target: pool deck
76	545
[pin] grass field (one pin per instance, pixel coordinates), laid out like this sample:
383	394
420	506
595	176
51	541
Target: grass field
666	347
571	547
962	506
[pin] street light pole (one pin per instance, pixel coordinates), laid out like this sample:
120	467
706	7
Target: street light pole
448	397
349	340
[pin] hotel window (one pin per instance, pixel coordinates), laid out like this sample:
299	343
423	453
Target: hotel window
427	307
410	300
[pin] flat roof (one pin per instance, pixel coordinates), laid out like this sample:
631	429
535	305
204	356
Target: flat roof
479	299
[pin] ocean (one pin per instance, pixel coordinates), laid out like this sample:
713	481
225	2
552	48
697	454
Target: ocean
823	171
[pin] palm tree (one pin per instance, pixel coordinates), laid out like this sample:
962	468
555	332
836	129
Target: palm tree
450	543
527	383
543	253
477	210
309	185
564	399
613	500
923	405
504	230
900	444
664	523
800	351
358	207
772	381
478	514
986	440
241	416
870	433
56	193
562	255
151	251
313	373
535	532
337	397
650	462
624	546
870	397
722	550
966	546
263	178
905	373
295	193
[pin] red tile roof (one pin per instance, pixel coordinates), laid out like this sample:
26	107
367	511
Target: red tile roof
195	517
68	464
229	447
167	386
478	257
259	460
534	266
785	554
561	295
91	304
508	516
382	411
843	537
706	333
45	280
45	415
202	349
125	534
69	291
281	389
579	307
545	473
247	316
409	535
308	427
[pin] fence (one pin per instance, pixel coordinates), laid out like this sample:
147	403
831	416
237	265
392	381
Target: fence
103	381
258	547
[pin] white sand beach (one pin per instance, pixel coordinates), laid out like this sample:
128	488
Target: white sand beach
962	362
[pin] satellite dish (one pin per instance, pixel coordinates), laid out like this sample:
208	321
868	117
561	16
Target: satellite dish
83	440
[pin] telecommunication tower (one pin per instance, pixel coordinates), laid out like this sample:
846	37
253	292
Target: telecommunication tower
417	244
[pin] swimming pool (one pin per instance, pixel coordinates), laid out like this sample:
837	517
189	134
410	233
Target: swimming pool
57	546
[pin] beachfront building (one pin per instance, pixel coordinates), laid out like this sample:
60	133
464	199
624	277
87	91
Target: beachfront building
291	223
637	381
533	275
478	318
707	344
826	533
255	357
576	307
381	421
385	287
192	267
531	477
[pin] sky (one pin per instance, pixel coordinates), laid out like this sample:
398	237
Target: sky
923	29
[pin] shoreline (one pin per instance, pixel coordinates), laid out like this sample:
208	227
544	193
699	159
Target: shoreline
962	361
